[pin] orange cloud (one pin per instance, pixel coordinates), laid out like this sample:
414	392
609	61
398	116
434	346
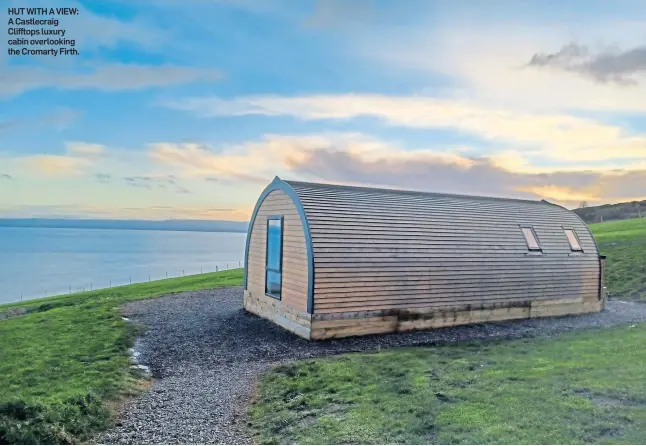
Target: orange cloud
56	164
561	193
78	156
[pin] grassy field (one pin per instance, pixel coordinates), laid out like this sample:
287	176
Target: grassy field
624	242
580	388
65	361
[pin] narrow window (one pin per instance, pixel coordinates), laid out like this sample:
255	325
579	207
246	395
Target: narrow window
273	274
573	239
530	238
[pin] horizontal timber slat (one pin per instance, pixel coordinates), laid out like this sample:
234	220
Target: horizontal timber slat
332	207
358	257
336	233
436	249
315	212
346	278
395	285
483	261
390	307
383	302
451	291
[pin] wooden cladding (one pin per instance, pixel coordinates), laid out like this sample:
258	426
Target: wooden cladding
294	282
385	249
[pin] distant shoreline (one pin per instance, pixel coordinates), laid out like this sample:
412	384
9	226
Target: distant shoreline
127	229
136	225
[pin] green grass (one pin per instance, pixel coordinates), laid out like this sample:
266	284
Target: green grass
65	361
624	242
580	388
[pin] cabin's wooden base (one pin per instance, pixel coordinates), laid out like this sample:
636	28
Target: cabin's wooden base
340	325
269	308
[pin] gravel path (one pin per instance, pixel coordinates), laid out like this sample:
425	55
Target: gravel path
204	351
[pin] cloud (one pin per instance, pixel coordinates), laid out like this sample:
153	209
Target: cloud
486	62
200	160
103	177
85	149
5	176
478	176
56	164
15	80
77	158
558	137
357	159
156	182
566	58
258	161
610	66
59	119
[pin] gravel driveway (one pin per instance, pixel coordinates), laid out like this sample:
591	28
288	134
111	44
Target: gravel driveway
204	351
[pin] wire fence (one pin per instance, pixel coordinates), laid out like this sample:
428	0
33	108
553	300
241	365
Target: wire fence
103	284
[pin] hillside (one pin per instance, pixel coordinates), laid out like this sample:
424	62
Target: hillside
607	212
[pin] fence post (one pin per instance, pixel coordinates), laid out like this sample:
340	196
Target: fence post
182	272
200	270
70	289
239	264
20	297
131	281
167	274
90	286
148	277
216	268
45	292
110	284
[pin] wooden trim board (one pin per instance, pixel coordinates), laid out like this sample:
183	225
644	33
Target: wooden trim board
389	321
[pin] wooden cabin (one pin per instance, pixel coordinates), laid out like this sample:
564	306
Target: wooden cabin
327	261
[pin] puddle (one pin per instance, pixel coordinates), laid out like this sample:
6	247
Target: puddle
141	368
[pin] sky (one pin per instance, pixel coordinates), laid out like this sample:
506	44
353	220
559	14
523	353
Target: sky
189	108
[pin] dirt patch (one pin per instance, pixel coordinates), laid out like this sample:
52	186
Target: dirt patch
13	312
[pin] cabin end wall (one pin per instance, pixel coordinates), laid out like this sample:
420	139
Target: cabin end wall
290	309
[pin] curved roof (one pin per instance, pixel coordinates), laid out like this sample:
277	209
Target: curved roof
391	206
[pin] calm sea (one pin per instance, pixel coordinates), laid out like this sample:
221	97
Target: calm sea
38	262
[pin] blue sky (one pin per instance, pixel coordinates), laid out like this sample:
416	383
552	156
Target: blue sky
188	108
